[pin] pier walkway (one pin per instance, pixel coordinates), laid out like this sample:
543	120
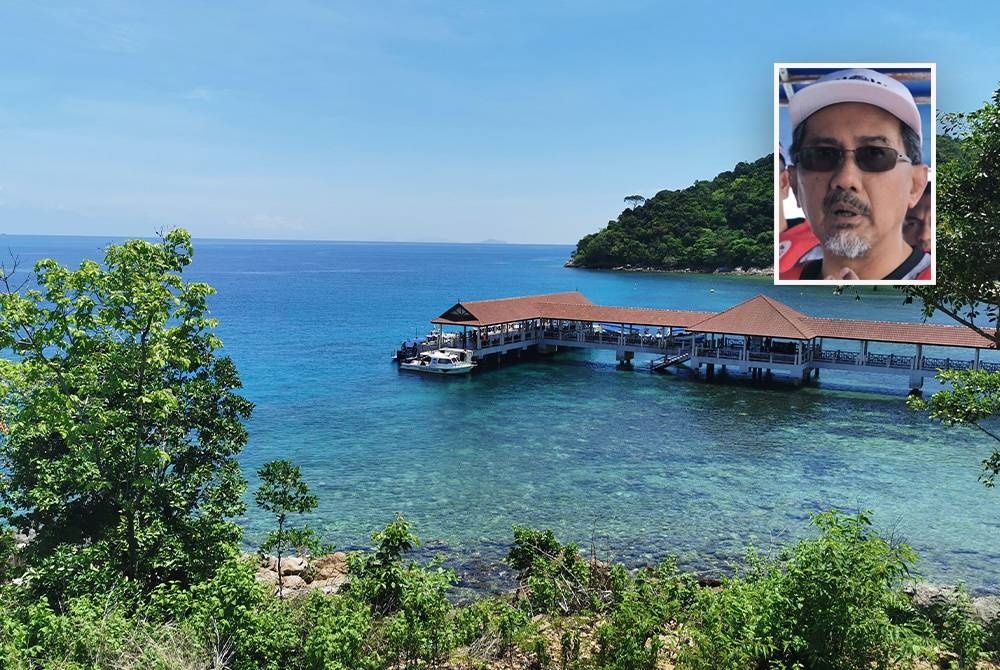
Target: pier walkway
758	336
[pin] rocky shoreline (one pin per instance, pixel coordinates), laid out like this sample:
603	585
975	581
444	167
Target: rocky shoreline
739	271
330	573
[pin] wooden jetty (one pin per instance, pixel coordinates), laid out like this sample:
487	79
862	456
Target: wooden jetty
758	337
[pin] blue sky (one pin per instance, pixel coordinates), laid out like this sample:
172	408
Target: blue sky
415	121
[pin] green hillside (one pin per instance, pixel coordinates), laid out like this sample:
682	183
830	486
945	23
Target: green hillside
721	224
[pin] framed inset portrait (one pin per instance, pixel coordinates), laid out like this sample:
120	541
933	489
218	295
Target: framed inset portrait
854	173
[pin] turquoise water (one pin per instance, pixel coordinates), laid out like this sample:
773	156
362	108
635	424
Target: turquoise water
636	464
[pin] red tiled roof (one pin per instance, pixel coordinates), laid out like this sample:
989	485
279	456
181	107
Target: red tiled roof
505	310
571	306
759	316
906	333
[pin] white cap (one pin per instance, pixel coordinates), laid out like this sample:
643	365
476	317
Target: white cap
856	85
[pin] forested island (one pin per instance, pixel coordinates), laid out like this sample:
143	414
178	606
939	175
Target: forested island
716	225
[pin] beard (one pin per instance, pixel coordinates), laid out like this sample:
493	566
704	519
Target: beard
846	244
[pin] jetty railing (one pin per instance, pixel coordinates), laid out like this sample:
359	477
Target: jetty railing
720	350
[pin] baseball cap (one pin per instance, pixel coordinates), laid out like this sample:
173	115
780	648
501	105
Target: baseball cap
856	85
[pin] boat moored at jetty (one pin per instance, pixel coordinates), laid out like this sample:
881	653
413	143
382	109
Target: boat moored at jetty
441	361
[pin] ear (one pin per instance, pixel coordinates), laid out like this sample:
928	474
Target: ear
783	184
917	184
793	181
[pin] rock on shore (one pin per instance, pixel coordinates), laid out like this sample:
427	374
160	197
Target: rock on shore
327	573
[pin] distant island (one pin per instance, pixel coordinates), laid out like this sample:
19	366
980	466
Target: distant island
711	226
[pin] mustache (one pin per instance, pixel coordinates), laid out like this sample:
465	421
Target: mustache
836	197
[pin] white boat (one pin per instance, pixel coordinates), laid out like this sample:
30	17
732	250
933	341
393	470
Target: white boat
441	362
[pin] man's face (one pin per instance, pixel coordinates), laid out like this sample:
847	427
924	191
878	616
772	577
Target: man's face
856	213
917	227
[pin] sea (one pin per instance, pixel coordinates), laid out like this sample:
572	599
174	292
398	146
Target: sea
633	466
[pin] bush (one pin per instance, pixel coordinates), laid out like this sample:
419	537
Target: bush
729	628
841	595
557	578
831	603
237	615
340	635
960	632
422	629
72	571
643	609
493	628
379	576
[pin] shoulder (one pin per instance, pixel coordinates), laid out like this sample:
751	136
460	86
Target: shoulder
797	247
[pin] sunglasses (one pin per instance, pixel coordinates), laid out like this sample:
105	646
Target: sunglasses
869	159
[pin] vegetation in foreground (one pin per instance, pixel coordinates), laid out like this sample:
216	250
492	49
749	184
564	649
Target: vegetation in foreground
834	601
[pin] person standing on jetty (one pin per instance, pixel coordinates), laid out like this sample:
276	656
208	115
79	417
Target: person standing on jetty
856	169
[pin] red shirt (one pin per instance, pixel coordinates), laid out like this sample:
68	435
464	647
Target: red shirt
797	244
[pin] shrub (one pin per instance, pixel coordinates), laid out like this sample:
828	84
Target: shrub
379	576
557	578
728	627
340	635
960	632
838	594
493	628
422	629
833	602
237	615
642	611
72	571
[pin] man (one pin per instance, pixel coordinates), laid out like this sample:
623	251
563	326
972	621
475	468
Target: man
856	170
917	226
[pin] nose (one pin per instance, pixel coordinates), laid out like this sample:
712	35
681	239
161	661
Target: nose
847	175
925	237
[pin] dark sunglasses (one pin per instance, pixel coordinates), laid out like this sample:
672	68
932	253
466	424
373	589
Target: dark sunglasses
869	159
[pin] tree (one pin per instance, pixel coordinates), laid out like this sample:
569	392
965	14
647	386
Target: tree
634	201
968	264
948	149
282	492
122	422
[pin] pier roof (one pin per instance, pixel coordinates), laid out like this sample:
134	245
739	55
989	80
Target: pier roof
904	333
505	310
760	316
570	306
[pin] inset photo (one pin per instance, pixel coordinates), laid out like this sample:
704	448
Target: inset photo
854	166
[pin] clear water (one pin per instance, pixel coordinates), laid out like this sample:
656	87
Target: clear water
634	464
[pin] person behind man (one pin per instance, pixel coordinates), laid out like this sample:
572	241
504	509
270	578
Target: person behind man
783	187
917	226
796	242
856	169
